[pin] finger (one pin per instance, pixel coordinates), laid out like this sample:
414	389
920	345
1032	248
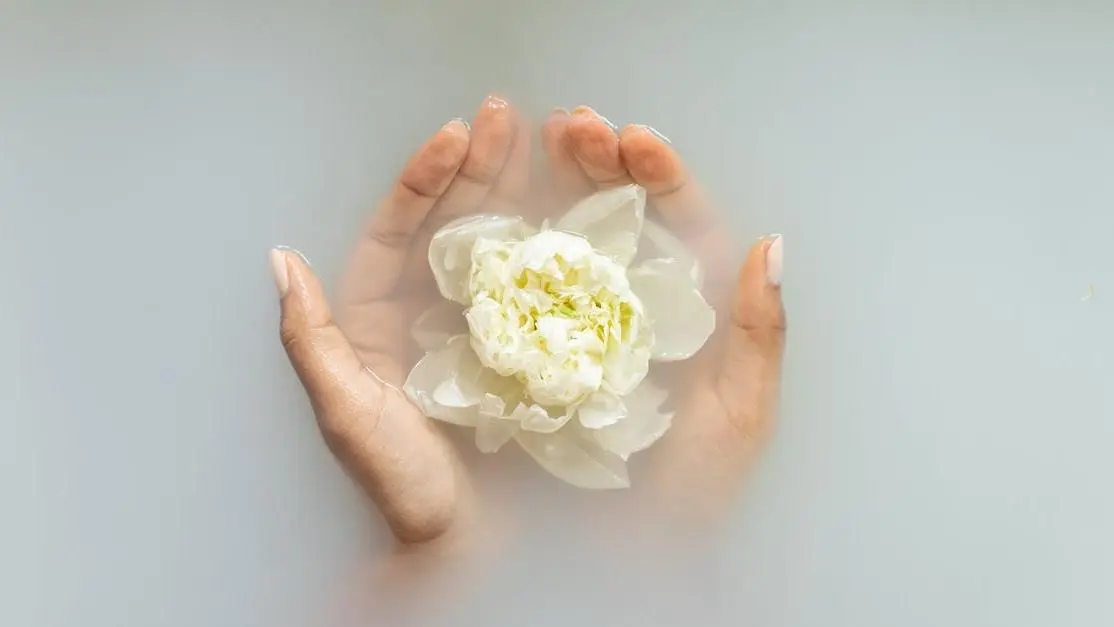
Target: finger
382	251
595	144
514	181
397	457
678	199
749	382
493	132
681	204
568	179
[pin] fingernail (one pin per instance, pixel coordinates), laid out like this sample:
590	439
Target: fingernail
496	102
280	271
457	122
656	133
559	111
606	121
773	260
288	249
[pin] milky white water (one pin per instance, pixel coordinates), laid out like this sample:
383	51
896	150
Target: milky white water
941	174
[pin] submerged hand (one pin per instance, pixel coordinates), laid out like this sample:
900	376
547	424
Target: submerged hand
353	365
728	392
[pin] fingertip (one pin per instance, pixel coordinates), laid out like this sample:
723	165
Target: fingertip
775	250
428	173
758	298
495	112
553	129
304	293
497	103
458	127
279	271
595	144
570	182
287	267
651	161
588	114
450	145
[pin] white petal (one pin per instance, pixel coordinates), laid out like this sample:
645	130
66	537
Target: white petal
644	424
437	324
611	220
682	320
493	406
493	433
660	243
601	410
448	384
626	367
575	460
450	252
538	420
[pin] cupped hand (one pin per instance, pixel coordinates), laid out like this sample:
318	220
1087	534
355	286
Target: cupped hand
352	365
727	394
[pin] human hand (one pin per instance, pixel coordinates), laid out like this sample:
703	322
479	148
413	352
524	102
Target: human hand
727	394
352	367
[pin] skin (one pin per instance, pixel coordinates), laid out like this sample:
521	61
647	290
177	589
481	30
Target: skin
405	463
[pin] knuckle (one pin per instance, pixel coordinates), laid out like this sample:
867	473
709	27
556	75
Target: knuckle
389	237
423	185
481	171
289	333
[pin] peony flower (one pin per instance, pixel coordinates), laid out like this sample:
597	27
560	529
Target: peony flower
546	336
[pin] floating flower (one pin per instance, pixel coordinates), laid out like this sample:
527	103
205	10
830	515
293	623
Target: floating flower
546	335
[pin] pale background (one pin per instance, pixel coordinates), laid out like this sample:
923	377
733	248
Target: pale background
943	173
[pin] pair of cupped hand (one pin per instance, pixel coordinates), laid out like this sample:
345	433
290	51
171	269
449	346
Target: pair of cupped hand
352	359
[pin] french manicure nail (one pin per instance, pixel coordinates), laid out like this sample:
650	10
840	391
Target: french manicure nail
288	249
656	133
456	121
280	271
773	260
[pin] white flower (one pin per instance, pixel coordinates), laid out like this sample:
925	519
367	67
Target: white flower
546	336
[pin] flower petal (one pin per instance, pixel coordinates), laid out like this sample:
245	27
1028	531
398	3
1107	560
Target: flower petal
448	384
492	433
611	220
682	320
575	460
601	410
644	424
450	251
660	243
436	325
537	419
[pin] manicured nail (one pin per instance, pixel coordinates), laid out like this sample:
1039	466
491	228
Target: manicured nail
496	102
457	122
773	260
653	131
288	249
606	121
280	271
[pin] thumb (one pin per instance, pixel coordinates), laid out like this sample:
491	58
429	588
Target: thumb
399	459
750	378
